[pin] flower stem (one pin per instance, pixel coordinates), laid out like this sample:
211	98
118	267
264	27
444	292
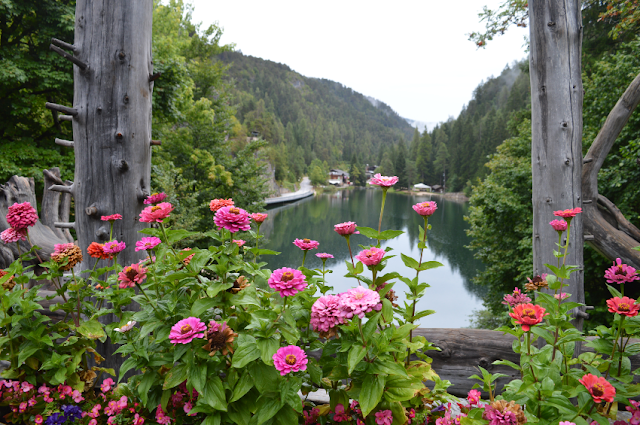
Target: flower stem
413	308
284	305
76	282
255	257
304	257
384	198
30	243
146	296
350	254
615	344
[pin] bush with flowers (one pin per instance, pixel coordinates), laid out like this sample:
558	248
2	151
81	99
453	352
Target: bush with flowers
220	339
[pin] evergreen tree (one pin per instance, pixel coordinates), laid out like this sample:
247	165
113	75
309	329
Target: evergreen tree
441	160
356	172
423	157
401	164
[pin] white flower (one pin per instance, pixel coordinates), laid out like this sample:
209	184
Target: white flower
130	324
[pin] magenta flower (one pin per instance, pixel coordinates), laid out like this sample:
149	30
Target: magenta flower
156	213
559	225
21	216
106	385
473	397
306	244
497	417
233	219
340	414
358	301
186	330
147	243
346	229
113	247
287	282
290	359
620	273
516	298
259	217
425	209
111	218
326	313
324	255
384	417
371	256
239	242
155	198
132	275
383	181
561	296
13	235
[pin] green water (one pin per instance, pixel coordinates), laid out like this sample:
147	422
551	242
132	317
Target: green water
452	294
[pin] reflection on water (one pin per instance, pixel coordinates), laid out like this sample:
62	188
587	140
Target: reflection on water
452	294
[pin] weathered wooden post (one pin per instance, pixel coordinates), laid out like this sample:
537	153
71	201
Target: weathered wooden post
556	123
111	118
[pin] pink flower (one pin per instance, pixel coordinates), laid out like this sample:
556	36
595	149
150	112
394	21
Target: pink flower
132	275
371	256
216	204
384	417
355	407
39	419
32	402
324	255
155	198
287	281
187	408
111	218
516	298
23	407
311	418
137	420
635	412
425	209
340	414
561	296
21	216
290	359
259	217
568	213
498	417
113	247
358	301
326	313
239	242
620	273
232	218
306	244
383	181
624	306
26	387
147	243
473	397
186	330
559	225
156	213
161	416
12	235
571	423
77	396
347	228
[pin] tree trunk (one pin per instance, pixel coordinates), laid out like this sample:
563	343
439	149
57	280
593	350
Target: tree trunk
112	128
556	124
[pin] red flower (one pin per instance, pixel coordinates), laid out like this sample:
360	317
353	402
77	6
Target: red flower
259	217
96	250
216	204
528	315
624	306
568	213
599	388
111	218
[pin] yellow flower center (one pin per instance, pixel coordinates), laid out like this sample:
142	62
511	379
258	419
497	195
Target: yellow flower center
621	271
186	328
597	390
155	208
425	205
290	359
234	210
359	296
287	276
529	312
623	307
306	240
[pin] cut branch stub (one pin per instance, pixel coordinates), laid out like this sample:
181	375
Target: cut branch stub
61	225
63	188
65	118
64	45
69	57
61	108
62	142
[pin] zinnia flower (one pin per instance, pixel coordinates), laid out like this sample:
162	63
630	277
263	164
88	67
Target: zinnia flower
536	283
132	275
220	338
21	216
371	256
232	218
384	417
126	328
599	388
383	181
155	198
620	273
156	213
528	315
111	218
287	282
186	330
147	243
306	244
96	250
12	235
113	247
425	209
358	301
216	204
569	423
290	359
324	255
326	313
517	297
239	242
559	225
501	412
568	213
624	306
347	228
67	250
561	296
259	217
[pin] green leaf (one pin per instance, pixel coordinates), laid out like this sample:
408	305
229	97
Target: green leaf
387	368
127	365
25	353
387	310
92	329
267	408
389	234
175	377
368	232
216	287
268	347
371	393
214	394
428	265
245	354
370	327
202	305
198	377
356	354
146	383
212	419
244	384
409	262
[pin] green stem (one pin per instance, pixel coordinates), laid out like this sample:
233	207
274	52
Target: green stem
155	279
424	241
284	305
166	238
615	344
30	243
384	198
147	297
304	257
76	282
364	343
255	257
529	345
374	272
110	230
350	254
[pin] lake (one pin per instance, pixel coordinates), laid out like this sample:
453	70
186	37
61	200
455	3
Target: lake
452	294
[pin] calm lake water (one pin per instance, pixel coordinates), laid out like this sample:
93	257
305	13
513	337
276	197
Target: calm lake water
452	294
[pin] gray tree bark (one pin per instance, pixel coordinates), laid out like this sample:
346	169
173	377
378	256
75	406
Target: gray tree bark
556	124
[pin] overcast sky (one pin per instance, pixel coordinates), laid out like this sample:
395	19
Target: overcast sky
412	55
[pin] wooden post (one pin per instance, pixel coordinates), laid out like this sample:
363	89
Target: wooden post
556	124
112	128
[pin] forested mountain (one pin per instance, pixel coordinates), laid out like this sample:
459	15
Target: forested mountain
308	118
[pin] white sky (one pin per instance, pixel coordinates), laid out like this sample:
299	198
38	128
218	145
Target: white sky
413	55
